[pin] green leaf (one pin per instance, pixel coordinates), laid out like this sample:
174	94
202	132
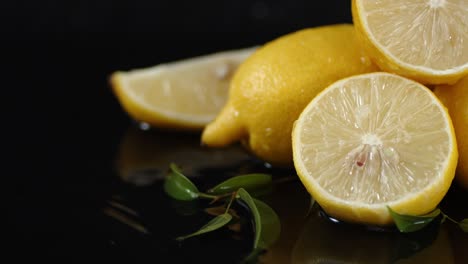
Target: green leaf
214	224
271	227
245	196
264	191
180	187
464	225
409	223
247	181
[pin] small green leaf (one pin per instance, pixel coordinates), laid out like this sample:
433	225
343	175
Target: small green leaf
271	227
214	224
247	181
245	196
263	191
464	225
409	223
180	187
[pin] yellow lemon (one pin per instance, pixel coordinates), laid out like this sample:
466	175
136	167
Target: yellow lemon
456	99
425	40
186	94
272	87
372	141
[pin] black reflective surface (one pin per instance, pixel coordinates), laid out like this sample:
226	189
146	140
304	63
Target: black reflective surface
82	182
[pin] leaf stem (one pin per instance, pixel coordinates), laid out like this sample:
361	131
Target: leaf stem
233	196
207	196
449	218
214	198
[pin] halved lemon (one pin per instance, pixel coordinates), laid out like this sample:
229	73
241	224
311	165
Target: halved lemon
186	94
372	141
425	40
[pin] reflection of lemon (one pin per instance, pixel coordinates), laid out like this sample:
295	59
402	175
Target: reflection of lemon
144	156
272	87
456	99
459	244
439	251
186	94
322	241
421	39
291	218
372	141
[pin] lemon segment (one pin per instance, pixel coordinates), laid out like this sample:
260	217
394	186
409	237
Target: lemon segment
186	94
425	40
455	97
272	87
372	141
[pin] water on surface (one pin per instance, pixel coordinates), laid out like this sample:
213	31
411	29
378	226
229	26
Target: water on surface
142	221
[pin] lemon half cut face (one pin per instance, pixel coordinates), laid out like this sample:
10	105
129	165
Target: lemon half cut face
421	39
372	141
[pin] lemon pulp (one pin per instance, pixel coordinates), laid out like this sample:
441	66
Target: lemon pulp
375	140
421	39
186	94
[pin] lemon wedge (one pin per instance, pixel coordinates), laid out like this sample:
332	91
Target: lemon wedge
186	94
425	40
375	140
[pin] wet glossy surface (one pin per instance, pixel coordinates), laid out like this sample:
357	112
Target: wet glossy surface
150	220
124	214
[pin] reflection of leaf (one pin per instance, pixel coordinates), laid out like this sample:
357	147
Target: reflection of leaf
180	187
245	196
236	227
212	225
409	244
409	223
252	258
125	220
270	222
464	225
247	181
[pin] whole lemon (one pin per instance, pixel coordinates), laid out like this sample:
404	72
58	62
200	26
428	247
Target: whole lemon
271	88
455	98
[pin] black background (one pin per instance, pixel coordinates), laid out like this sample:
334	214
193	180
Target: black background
62	124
